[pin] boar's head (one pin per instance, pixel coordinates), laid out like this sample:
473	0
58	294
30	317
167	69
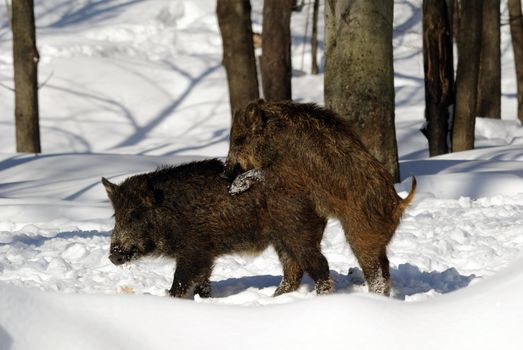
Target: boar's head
249	146
134	213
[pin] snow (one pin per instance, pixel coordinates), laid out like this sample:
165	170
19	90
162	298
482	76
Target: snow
468	319
129	85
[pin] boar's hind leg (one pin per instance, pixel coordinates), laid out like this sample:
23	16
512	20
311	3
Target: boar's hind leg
188	272
292	272
371	252
376	271
314	262
309	256
303	244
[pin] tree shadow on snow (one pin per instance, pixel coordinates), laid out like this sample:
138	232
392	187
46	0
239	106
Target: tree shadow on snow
94	11
407	280
141	131
40	240
6	342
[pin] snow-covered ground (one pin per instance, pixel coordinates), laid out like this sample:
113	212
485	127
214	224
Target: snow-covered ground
128	85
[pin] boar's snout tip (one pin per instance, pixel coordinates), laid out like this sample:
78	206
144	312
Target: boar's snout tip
117	258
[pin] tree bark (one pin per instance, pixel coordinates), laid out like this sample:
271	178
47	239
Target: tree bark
516	30
439	75
359	74
489	79
453	16
25	60
469	50
234	19
314	38
276	66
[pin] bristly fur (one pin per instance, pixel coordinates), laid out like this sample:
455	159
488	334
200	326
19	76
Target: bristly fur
186	213
313	154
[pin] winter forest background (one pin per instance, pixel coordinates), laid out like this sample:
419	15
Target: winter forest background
127	85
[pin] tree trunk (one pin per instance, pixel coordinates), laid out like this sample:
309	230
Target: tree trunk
359	74
439	75
489	79
276	67
234	19
469	50
453	16
25	60
516	30
314	38
450	15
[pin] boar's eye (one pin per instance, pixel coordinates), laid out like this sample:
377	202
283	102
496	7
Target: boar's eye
239	141
136	215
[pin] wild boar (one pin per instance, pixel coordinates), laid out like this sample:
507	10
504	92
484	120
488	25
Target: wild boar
313	153
185	212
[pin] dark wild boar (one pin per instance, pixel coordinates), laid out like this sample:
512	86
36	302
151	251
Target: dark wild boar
302	148
186	213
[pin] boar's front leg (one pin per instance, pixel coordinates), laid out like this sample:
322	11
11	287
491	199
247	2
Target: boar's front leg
203	286
246	180
292	271
188	272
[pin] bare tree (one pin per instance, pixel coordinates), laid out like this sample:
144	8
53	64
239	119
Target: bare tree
359	74
469	49
453	16
314	37
276	66
25	59
234	19
489	79
516	30
439	75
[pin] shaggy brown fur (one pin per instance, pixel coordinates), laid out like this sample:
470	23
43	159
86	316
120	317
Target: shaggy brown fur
186	213
313	154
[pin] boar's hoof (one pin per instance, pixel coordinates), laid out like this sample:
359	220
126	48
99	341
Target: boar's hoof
324	286
175	294
203	290
246	180
286	287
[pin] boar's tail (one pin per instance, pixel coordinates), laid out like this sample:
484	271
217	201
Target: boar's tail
406	201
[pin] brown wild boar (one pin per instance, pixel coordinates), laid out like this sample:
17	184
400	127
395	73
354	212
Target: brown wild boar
313	153
186	213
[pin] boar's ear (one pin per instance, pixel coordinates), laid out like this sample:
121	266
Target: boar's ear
158	197
109	187
254	116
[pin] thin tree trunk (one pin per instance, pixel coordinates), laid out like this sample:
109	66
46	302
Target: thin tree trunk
453	16
276	66
489	79
314	38
234	19
25	59
516	30
469	50
359	74
450	15
439	74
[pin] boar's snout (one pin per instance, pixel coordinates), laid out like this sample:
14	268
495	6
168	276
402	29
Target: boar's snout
119	256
